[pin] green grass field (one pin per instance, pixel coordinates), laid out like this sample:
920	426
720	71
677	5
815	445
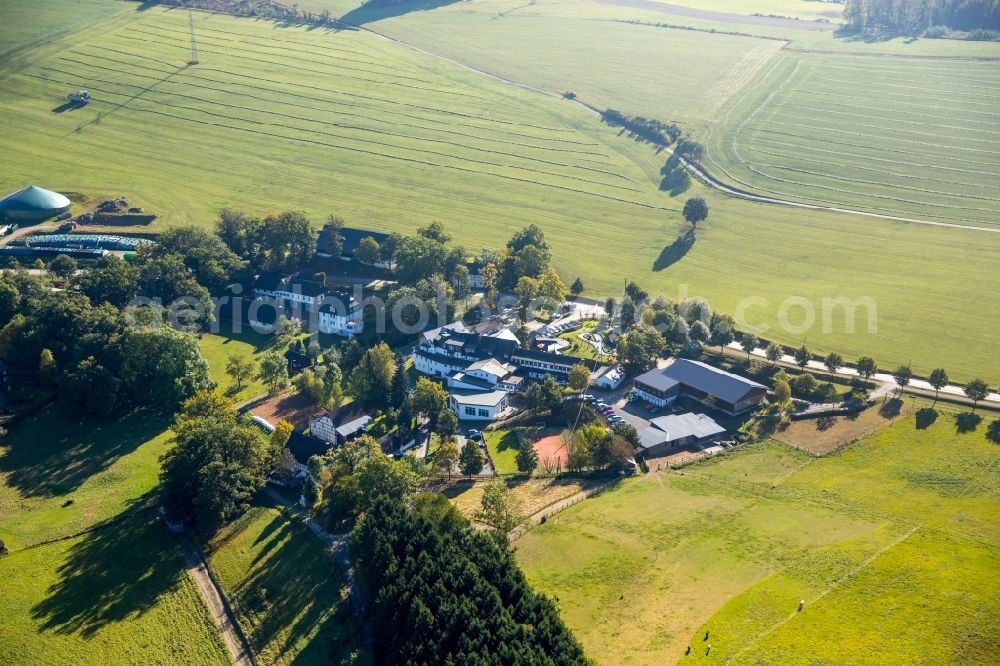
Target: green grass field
28	22
891	543
281	585
217	348
104	468
896	136
117	595
502	445
348	123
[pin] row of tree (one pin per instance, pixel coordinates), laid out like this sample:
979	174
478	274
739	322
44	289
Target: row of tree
913	17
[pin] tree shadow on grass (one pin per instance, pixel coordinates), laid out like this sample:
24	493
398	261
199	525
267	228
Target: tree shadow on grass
676	179
293	592
376	11
993	432
676	251
115	572
49	456
967	422
926	416
891	408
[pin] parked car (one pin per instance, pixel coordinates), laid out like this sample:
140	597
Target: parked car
474	434
600	404
614	418
608	412
633	397
589	398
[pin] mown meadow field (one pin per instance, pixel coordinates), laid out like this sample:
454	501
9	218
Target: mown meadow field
891	542
345	122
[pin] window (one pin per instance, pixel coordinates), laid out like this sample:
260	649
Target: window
484	412
470	411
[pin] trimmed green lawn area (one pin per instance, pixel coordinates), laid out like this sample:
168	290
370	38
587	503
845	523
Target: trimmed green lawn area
284	589
503	445
103	467
891	542
117	595
217	348
583	348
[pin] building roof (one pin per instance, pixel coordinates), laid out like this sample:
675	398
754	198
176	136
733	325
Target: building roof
713	381
310	288
551	357
472	381
351	238
335	299
354	427
443	359
674	427
33	199
478	398
490	366
657	379
268	281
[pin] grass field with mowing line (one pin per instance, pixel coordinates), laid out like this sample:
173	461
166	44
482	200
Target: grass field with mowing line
282	586
730	546
117	595
28	22
347	123
926	145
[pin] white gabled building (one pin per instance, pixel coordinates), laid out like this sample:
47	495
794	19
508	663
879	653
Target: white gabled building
478	405
340	314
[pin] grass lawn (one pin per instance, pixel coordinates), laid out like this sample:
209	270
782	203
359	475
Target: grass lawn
28	22
216	349
103	467
328	114
530	495
285	590
117	595
584	349
891	542
503	446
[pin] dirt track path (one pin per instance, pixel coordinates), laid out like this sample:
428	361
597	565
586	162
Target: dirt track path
198	570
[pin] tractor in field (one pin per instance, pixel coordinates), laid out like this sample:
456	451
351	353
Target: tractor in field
79	98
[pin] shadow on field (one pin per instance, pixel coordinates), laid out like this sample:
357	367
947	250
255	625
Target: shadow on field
66	106
926	416
114	572
676	179
292	588
676	251
891	408
48	456
967	422
378	10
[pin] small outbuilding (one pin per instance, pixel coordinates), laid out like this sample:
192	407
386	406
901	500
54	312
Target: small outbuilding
32	204
667	434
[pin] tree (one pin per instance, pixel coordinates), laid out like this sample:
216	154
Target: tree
273	371
217	463
435	232
526	458
782	392
938	379
371	382
833	362
698	331
280	435
379	476
470	459
627	313
610	305
695	210
527	289
240	367
544	395
773	353
498	510
975	391
62	266
400	385
428	399
638	350
577	287
748	343
722	335
286	240
47	370
368	251
802	357
866	367
446	424
902	376
446	458
579	377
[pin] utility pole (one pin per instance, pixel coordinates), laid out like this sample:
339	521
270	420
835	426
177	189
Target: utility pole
194	46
